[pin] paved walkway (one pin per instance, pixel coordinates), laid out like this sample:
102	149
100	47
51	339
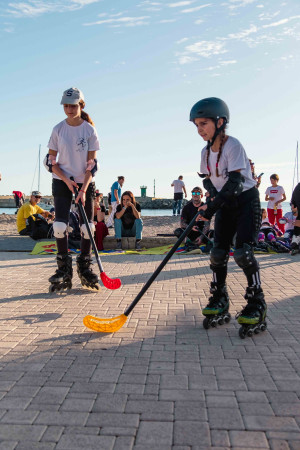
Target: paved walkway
161	382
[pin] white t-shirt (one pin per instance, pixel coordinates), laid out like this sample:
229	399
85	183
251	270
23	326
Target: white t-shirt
276	192
178	185
73	145
291	219
233	158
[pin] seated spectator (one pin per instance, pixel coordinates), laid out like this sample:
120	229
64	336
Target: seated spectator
101	229
267	231
128	222
288	220
195	237
27	212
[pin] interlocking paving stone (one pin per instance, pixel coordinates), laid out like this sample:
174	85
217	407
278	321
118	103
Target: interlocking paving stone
162	381
155	434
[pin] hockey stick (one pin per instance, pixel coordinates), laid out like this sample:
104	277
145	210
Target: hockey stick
115	323
109	283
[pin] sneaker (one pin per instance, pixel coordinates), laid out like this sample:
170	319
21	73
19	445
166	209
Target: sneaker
119	245
138	245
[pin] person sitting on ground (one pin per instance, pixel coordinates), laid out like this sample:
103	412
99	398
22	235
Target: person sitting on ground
27	211
101	229
288	220
195	237
128	222
274	196
267	232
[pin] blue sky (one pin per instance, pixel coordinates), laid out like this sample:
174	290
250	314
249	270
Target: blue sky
141	66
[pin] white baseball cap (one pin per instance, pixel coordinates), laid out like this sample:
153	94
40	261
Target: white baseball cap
72	96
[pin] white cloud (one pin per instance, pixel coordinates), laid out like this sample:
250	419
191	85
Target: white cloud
167	20
198	21
8	28
34	8
196	8
244	33
127	21
226	63
182	40
234	4
179	4
206	48
281	22
186	59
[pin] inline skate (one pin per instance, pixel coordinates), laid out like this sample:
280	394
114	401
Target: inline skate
62	279
253	316
88	278
216	311
295	245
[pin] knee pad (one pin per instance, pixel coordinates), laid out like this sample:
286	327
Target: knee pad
84	231
218	257
178	232
59	230
244	257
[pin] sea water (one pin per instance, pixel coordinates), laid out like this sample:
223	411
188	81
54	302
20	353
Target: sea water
159	212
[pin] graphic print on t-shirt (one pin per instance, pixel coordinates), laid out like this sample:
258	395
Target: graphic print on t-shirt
81	144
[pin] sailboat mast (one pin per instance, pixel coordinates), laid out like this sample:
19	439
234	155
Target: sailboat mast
297	164
39	168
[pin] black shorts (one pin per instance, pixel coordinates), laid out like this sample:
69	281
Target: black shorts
63	199
243	219
178	196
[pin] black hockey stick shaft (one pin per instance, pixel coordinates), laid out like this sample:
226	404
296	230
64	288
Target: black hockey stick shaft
161	266
85	220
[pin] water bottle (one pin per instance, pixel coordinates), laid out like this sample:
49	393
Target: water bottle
275	210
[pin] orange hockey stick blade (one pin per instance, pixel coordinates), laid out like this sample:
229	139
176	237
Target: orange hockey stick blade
105	325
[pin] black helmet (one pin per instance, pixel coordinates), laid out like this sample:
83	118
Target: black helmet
211	108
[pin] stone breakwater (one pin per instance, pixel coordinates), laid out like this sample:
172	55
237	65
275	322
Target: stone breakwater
7	201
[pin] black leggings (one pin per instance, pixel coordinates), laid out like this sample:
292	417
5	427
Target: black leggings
62	204
241	221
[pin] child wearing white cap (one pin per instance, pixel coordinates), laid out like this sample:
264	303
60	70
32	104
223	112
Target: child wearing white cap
72	153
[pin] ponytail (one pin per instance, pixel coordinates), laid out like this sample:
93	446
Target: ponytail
223	139
84	115
220	151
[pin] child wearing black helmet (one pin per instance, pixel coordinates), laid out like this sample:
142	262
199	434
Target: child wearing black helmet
235	200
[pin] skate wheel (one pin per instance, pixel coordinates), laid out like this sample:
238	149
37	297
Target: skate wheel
213	324
220	321
206	323
250	333
227	318
242	333
263	327
257	330
51	289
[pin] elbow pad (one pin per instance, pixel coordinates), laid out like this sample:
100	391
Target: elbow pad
92	166
49	162
231	189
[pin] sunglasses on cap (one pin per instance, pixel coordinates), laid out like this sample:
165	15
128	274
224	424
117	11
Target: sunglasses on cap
196	193
37	196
